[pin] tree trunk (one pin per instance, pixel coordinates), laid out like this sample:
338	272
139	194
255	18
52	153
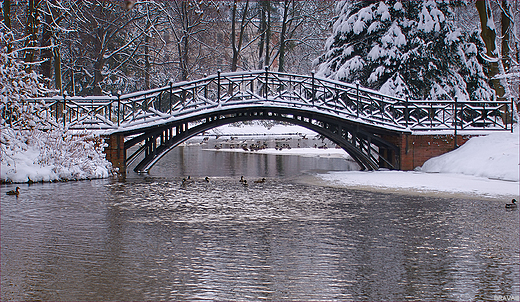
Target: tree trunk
7	19
268	38
31	33
146	61
506	23
488	34
262	30
234	59
57	71
45	43
98	76
281	56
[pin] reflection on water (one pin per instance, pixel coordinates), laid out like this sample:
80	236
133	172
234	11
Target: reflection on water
151	238
194	161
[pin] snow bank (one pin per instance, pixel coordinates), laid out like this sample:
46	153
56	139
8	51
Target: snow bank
50	156
24	167
420	182
304	152
493	156
260	130
484	166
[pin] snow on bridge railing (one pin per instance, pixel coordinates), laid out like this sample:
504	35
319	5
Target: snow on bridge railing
267	88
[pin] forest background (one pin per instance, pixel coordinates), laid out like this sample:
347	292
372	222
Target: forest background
102	47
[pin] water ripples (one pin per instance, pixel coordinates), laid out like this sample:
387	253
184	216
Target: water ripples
152	238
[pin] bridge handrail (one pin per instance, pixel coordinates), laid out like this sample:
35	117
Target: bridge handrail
269	88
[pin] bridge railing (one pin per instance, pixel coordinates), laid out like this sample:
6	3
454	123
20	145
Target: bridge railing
267	88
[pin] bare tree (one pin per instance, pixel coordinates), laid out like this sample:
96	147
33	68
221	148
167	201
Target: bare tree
103	51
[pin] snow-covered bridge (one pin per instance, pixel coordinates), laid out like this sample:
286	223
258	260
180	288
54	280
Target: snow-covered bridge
370	126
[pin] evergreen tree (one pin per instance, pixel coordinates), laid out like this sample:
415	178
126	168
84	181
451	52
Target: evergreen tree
408	48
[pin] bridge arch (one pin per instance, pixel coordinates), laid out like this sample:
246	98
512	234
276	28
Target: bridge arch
366	146
375	129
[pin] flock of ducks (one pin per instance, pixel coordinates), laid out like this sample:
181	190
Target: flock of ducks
242	180
511	206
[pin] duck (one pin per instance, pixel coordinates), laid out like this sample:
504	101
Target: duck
14	192
242	179
260	181
512	205
245	183
206	179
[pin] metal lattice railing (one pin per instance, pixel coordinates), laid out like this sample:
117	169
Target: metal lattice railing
271	89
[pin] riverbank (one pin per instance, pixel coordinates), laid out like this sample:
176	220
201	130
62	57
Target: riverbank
486	166
37	156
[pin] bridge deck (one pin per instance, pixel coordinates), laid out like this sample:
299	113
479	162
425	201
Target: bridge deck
272	89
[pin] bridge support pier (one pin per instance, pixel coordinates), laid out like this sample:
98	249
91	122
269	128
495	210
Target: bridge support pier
416	149
116	153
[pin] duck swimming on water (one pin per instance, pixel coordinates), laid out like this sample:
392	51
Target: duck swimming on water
14	192
512	205
260	181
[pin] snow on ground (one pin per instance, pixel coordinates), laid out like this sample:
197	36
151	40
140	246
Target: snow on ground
421	182
304	152
260	130
36	156
485	166
493	156
27	168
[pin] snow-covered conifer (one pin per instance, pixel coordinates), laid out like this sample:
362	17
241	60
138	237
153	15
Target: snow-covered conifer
404	48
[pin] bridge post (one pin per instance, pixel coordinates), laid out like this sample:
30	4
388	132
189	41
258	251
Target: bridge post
266	91
357	96
118	107
313	88
116	153
65	94
455	146
218	86
406	113
170	108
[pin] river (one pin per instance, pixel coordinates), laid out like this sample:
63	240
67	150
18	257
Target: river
150	238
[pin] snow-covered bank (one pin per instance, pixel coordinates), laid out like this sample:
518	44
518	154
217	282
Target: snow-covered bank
33	147
421	182
257	129
36	156
486	166
493	156
304	152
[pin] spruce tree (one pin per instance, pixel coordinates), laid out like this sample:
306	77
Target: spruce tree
407	49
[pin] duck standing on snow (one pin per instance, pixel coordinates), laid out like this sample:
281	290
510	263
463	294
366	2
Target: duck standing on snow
512	205
14	192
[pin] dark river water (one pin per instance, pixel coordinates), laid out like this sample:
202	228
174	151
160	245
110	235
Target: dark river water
150	238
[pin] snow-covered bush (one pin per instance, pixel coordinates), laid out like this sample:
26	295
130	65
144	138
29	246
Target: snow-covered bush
404	48
32	148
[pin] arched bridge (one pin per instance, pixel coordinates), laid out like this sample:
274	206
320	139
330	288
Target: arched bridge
368	125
